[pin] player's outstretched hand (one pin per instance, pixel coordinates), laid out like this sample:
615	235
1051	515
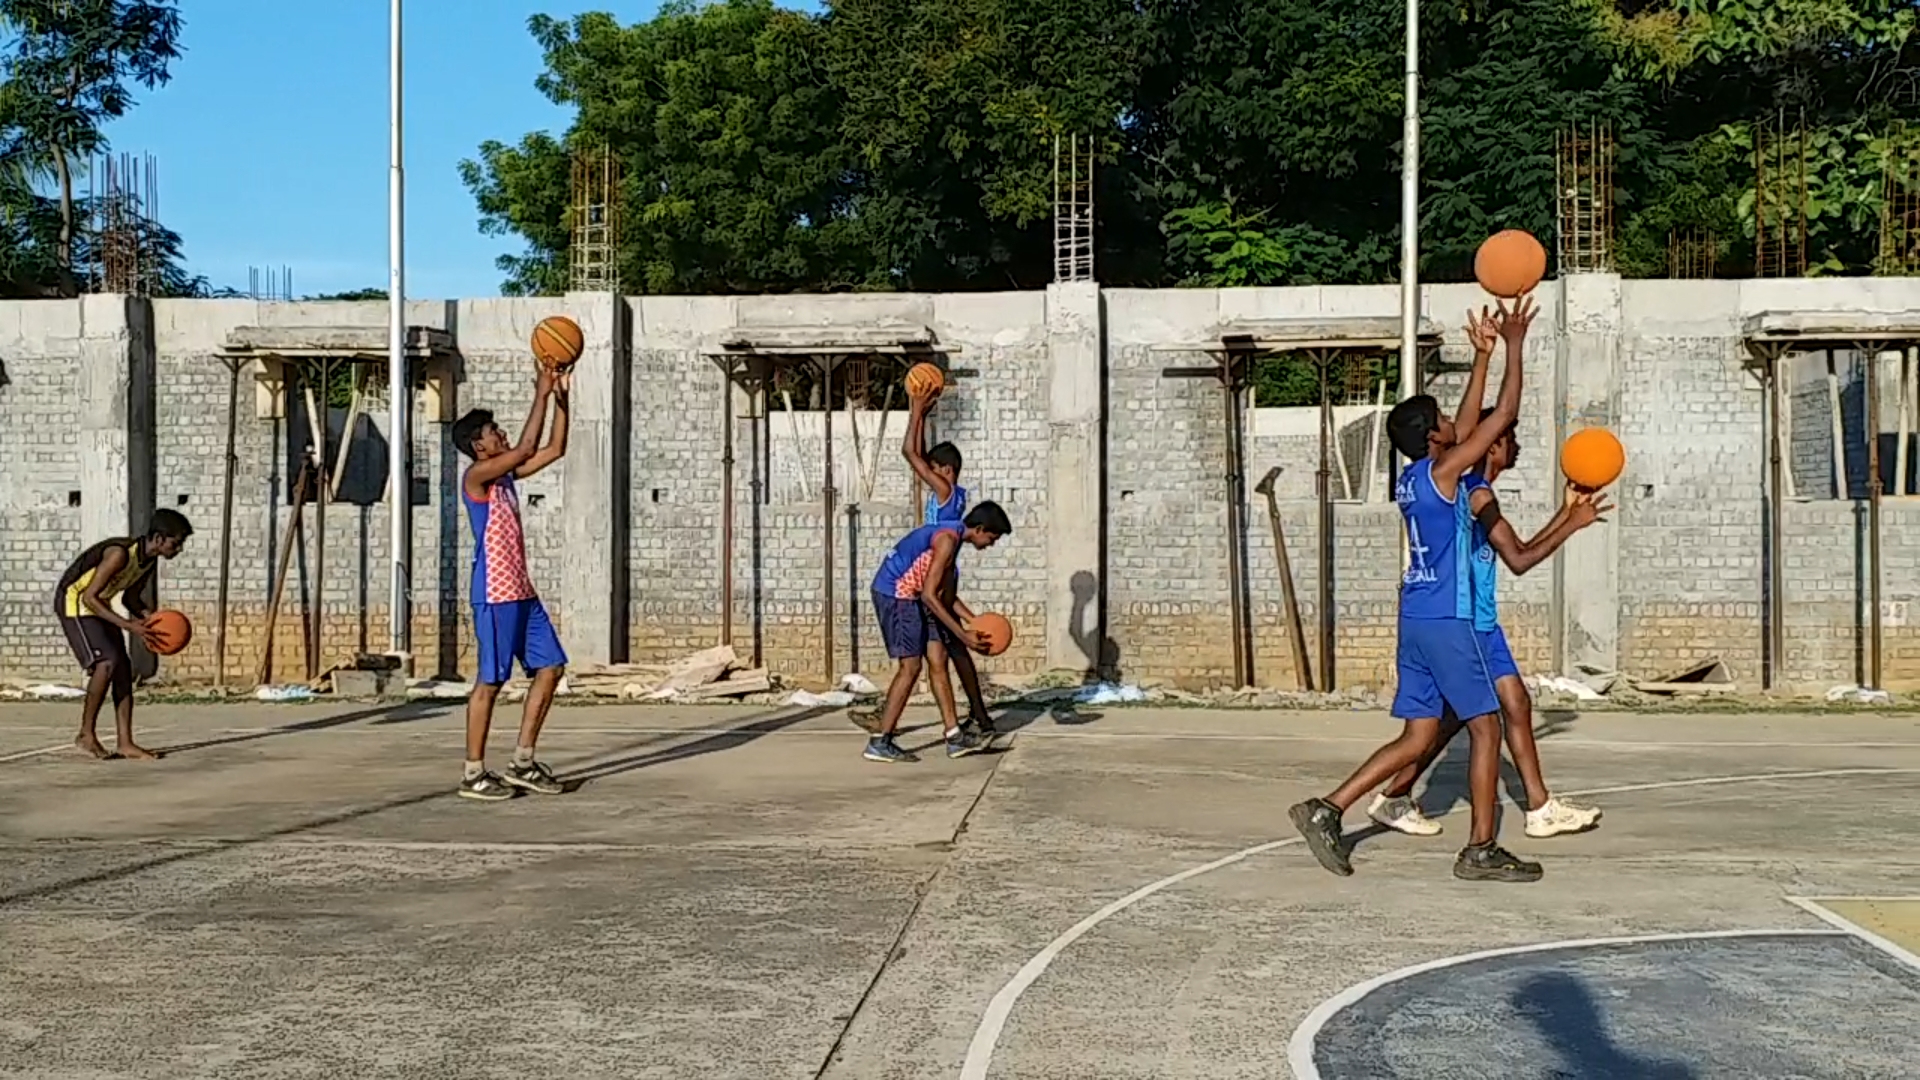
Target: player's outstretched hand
1483	331
1515	323
971	639
1587	507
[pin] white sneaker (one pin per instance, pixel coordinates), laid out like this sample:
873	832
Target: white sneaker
1402	815
1557	816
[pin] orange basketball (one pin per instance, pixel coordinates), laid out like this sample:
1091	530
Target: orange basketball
169	632
1592	458
995	630
1510	264
924	378
558	342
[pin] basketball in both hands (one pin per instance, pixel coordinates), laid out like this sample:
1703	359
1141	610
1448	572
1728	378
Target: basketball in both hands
994	630
925	380
167	632
558	342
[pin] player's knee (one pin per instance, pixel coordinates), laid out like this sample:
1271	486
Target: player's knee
1484	726
486	691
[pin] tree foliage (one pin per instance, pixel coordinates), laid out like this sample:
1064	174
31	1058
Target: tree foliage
909	144
72	67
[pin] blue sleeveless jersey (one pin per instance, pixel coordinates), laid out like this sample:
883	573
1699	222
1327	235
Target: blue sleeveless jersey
903	573
1438	583
954	509
1486	606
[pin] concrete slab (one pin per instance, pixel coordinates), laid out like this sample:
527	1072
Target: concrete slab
734	893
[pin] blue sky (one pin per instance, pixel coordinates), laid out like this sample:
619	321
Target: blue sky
272	137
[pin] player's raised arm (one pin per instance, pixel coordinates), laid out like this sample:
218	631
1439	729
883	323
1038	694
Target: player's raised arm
915	448
1470	451
1483	333
1577	511
556	447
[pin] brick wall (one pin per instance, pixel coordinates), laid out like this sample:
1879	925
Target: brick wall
1687	567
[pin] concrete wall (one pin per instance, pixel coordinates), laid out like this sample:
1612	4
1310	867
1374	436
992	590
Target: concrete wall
1113	474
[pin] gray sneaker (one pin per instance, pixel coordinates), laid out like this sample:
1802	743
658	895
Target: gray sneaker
533	776
487	787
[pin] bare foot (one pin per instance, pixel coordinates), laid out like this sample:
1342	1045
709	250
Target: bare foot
135	752
92	746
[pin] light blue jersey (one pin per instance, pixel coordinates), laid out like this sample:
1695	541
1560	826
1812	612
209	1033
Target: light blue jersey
1486	565
1438	583
954	509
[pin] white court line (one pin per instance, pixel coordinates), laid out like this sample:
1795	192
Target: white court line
412	726
1300	1047
1812	906
68	745
993	1021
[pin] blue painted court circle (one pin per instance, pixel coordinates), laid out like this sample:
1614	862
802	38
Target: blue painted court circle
1753	1007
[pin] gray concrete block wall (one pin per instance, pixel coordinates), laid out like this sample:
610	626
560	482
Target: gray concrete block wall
40	476
1684	558
997	418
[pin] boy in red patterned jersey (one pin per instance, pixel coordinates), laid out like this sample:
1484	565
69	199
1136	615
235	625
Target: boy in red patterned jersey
510	624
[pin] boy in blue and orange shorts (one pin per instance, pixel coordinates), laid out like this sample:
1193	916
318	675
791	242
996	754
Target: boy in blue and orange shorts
908	600
509	622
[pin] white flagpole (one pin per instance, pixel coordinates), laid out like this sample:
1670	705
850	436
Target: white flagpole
399	387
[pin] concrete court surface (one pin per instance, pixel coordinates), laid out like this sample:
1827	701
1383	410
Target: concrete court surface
733	893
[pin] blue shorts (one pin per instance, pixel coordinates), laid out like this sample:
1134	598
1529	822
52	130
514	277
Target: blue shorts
518	630
1500	663
903	625
1443	665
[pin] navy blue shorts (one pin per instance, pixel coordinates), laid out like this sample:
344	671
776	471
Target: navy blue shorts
1499	658
903	625
519	630
1443	665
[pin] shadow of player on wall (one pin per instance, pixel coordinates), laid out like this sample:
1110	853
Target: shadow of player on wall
1563	1010
1101	651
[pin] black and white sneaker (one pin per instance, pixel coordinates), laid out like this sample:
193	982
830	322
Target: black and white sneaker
1491	862
487	787
981	725
1319	825
533	776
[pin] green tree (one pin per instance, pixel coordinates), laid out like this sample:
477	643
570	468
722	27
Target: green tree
952	110
726	132
72	67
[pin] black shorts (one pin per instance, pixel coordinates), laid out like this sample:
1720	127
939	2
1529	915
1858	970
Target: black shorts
94	639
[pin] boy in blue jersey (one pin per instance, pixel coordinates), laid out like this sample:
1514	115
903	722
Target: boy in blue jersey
939	469
1441	659
906	593
1547	815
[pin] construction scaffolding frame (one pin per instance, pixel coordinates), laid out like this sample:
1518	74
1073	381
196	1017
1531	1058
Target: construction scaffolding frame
1073	165
1899	254
1693	254
1769	337
1780	196
1583	168
593	250
753	361
123	203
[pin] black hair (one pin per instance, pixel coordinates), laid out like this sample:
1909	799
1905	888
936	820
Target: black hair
1409	424
467	429
171	524
1511	424
945	454
988	517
